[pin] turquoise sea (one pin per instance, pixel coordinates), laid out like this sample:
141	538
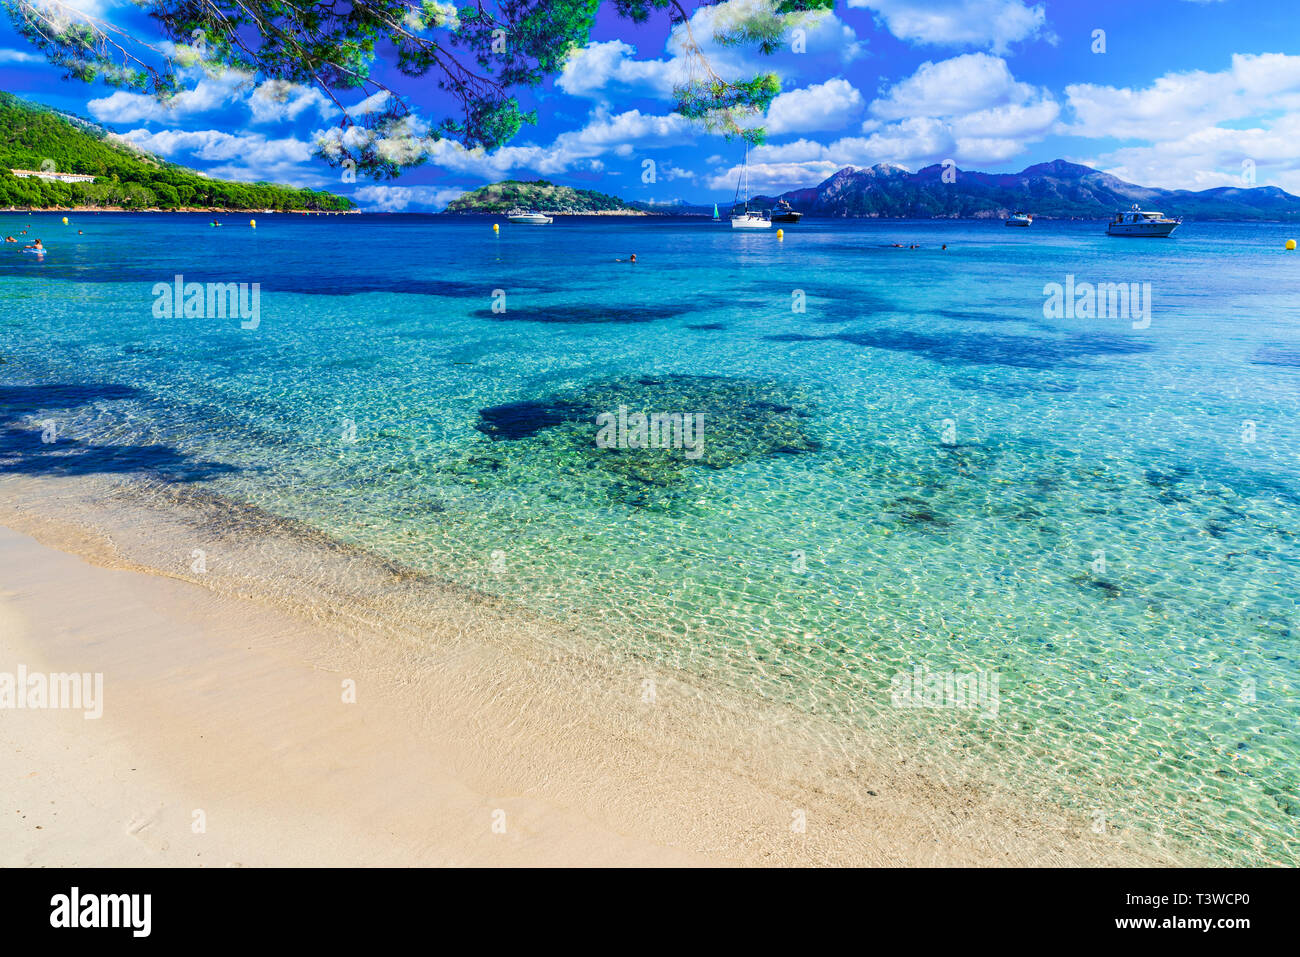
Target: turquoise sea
906	465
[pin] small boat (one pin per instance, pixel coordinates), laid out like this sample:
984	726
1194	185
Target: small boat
1021	219
742	217
522	217
716	217
1142	222
785	213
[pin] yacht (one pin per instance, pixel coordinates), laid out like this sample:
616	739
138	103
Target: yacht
742	217
1021	219
750	219
1142	222
785	213
521	217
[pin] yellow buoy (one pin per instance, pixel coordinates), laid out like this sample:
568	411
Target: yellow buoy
496	228
253	223
1290	244
780	234
65	220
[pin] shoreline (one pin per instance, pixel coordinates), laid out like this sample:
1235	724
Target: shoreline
186	209
222	690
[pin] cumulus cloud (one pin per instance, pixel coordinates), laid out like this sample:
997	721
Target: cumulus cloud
395	199
208	94
622	134
962	84
995	24
1180	103
602	69
1178	123
823	106
276	101
968	108
248	157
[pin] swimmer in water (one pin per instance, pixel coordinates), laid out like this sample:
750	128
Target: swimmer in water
632	260
37	246
10	239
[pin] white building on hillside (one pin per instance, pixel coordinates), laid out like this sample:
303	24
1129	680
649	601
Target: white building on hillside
59	177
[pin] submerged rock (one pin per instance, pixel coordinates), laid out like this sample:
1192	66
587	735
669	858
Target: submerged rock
647	432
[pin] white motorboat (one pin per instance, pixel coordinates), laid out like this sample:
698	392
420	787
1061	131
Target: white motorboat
742	217
1142	222
1021	219
522	217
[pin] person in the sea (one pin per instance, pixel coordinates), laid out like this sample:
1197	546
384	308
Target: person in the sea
36	245
10	239
631	260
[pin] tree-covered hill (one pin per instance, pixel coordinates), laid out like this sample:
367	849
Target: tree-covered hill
32	135
542	196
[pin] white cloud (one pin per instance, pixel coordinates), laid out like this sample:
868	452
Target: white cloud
1216	156
622	134
393	199
1180	103
275	101
1178	120
968	108
962	84
76	10
994	24
248	157
19	56
208	94
601	69
272	101
823	106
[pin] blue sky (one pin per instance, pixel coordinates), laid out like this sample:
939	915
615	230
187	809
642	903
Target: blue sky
1187	94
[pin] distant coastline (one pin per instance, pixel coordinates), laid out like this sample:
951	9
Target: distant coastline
182	209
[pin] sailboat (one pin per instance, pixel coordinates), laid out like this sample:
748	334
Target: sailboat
716	217
747	218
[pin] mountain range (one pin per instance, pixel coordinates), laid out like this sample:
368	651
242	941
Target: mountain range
1055	190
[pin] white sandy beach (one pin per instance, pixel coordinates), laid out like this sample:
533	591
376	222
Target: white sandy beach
226	702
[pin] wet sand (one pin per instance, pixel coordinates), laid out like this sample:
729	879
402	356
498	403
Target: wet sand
478	735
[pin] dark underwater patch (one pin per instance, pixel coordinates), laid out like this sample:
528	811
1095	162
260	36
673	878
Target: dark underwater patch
1107	588
579	315
706	326
26	450
741	420
977	348
519	420
1270	356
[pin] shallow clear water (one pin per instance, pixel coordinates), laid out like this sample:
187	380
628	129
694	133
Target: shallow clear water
917	470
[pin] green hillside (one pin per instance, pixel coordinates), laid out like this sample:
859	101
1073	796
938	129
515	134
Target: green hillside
538	195
31	134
